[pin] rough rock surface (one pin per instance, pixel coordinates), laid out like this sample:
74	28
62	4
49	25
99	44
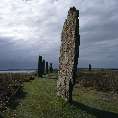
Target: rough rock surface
69	53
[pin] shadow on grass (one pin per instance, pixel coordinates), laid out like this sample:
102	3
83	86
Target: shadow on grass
15	100
1	116
98	113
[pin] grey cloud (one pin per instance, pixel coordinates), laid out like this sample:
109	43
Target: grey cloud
99	37
98	31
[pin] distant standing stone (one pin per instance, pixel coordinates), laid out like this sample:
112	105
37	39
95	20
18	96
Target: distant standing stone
43	67
51	68
90	67
46	67
69	53
40	66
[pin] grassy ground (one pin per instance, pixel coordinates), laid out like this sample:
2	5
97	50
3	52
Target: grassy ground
38	100
106	80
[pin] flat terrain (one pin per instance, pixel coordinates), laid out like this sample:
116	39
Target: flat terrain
37	99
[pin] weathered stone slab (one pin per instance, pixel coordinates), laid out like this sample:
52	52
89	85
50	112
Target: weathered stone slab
69	53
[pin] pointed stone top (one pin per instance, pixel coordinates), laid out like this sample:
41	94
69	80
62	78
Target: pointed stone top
73	9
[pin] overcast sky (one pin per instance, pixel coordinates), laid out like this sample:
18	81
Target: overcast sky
29	28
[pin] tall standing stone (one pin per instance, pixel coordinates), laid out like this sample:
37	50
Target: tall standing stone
40	66
46	67
69	53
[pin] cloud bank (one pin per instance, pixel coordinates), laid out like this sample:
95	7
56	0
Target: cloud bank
29	28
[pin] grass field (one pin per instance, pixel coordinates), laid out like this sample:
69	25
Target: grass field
37	99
